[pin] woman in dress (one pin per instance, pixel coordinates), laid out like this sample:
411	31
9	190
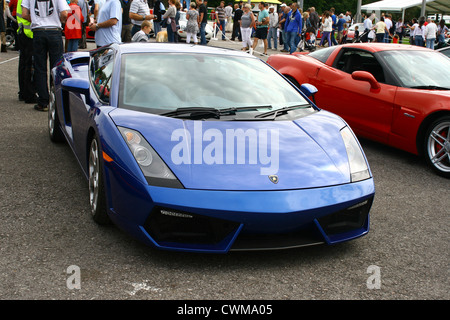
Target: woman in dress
192	24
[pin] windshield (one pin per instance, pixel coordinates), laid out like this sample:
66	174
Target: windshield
419	69
161	82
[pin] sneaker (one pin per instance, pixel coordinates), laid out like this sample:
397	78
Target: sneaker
40	108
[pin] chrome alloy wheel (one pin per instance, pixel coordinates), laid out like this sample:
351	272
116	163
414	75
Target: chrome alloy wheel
438	146
94	176
51	112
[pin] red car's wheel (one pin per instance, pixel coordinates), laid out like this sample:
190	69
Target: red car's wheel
437	146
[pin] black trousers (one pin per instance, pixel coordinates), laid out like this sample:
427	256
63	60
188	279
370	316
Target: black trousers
46	44
236	31
27	90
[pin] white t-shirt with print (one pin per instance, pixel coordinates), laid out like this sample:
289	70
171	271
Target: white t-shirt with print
45	13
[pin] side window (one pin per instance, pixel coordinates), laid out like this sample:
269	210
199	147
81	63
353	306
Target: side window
323	54
101	71
358	60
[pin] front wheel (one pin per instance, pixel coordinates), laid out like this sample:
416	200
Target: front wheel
97	198
437	146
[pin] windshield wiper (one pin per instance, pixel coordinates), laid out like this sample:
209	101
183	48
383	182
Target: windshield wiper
280	111
430	87
201	112
190	111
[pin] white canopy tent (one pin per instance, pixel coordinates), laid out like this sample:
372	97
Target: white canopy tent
431	6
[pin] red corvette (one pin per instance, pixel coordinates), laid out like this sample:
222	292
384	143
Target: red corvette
394	94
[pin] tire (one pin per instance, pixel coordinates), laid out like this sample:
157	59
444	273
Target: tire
436	146
97	197
54	130
10	38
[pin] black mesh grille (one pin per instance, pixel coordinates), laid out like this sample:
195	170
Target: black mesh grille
346	220
168	225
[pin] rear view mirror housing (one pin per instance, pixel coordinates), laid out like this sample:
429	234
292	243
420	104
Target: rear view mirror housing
77	85
368	77
309	90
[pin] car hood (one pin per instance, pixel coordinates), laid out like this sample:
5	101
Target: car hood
275	155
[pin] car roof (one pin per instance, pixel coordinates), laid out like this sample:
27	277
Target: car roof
443	49
139	47
378	47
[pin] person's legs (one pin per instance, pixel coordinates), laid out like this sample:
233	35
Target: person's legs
292	42
329	39
40	49
170	34
136	28
156	27
203	33
285	43
380	37
73	45
275	38
255	43
126	33
223	24
26	87
333	39
322	39
56	45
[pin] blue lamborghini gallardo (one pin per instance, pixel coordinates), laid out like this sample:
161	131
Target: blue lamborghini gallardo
203	149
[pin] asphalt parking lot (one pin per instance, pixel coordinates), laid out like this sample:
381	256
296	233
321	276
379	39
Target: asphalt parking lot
46	233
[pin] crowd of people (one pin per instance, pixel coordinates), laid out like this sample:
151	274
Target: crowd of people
422	32
39	29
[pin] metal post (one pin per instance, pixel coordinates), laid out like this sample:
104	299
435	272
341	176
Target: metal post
422	11
358	12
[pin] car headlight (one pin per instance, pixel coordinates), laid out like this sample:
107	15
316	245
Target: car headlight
153	167
359	170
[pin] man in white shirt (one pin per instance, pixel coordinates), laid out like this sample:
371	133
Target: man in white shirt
46	17
108	27
389	24
430	34
97	6
367	27
273	27
139	11
229	15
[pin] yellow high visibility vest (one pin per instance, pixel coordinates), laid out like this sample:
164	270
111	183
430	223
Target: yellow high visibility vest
25	24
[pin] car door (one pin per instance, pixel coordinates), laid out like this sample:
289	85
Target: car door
100	74
368	111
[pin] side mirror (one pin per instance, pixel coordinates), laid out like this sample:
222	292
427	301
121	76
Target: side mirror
309	90
368	77
77	85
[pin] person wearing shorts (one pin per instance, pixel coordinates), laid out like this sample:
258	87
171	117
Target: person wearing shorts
261	27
